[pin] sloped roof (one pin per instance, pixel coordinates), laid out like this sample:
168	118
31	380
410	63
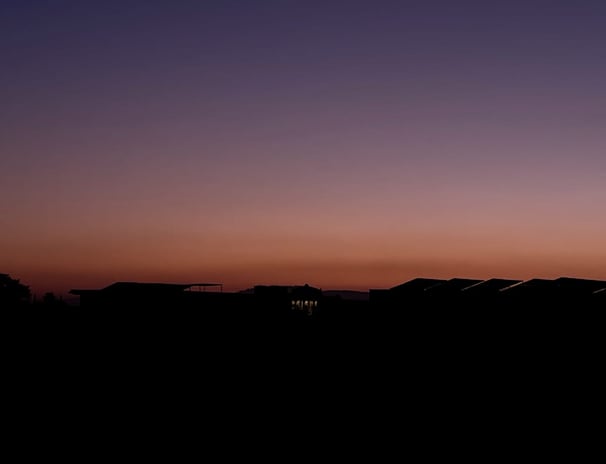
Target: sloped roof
532	285
451	286
579	286
417	285
490	285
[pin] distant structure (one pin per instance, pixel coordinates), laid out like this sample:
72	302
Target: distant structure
293	302
301	298
491	293
142	295
409	291
137	292
265	301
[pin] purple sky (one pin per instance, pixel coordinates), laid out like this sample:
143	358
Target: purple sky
352	144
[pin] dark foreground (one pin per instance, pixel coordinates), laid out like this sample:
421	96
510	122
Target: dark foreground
428	377
350	333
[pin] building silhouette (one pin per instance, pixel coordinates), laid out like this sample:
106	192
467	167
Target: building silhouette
295	301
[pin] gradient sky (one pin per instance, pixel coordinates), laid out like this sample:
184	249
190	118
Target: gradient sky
344	144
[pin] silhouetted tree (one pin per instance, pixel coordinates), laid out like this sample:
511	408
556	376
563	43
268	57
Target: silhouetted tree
50	301
49	298
12	292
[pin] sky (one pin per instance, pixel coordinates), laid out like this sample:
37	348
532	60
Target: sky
343	144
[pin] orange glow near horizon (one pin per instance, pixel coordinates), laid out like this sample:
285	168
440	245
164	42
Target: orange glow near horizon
325	261
341	144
